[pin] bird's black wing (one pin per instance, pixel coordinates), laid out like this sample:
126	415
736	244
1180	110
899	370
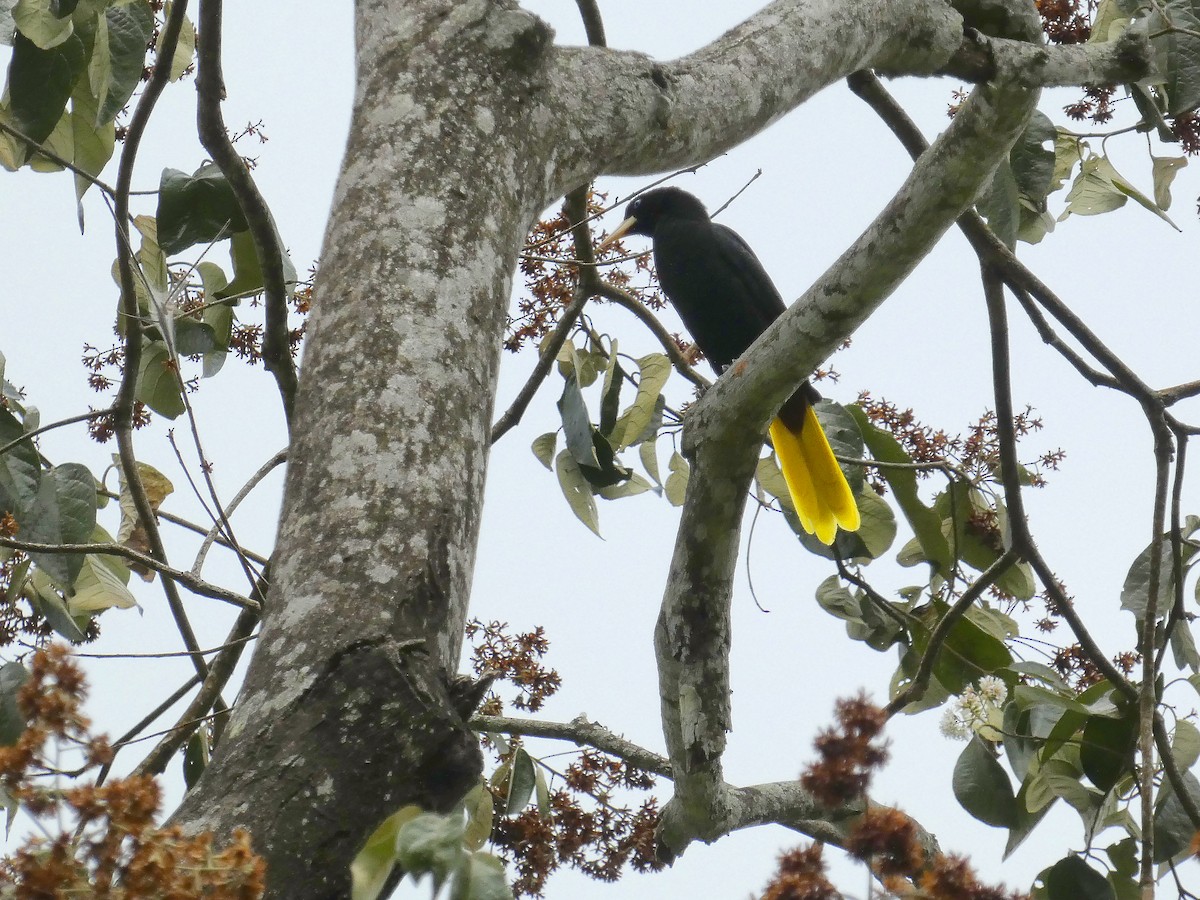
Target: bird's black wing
759	295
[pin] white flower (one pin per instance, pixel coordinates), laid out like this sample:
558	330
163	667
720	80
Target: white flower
976	711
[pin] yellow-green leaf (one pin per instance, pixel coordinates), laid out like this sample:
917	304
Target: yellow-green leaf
577	491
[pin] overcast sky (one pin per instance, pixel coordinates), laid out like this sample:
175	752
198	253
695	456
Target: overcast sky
826	170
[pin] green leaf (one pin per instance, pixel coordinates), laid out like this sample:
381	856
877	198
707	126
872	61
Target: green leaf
371	867
195	757
39	21
480	876
1110	20
845	438
545	810
93	144
1177	54
1099	188
217	316
1185	744
1107	750
958	505
520	783
98	588
837	600
632	486
196	209
40	82
1124	856
677	481
925	523
247	272
1067	154
20	469
480	809
1032	163
878	529
63	513
577	491
1183	647
999	204
968	652
543	448
1173	828
982	788
12	721
52	608
1027	820
1164	170
610	395
653	370
1072	879
431	843
130	27
577	424
648	454
771	480
185	47
1135	592
158	383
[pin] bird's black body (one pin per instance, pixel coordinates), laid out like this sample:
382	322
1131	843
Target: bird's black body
726	300
714	281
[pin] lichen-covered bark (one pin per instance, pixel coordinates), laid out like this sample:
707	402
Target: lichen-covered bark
467	122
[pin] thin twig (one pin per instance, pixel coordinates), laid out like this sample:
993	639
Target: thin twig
187	579
582	732
43	150
575	207
123	408
143	722
70	420
916	689
263	471
625	300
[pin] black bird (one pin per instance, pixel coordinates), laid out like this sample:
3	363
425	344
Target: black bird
726	300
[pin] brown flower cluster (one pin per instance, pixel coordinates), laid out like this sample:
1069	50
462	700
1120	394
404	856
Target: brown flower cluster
848	753
801	876
889	842
113	849
951	878
976	451
1066	21
513	658
598	841
550	279
586	823
1096	104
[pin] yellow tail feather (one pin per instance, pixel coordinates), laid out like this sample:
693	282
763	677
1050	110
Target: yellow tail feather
819	491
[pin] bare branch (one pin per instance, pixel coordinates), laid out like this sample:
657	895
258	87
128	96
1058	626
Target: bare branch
581	732
123	408
187	579
210	91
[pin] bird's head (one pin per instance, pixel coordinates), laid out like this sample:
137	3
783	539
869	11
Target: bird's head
644	213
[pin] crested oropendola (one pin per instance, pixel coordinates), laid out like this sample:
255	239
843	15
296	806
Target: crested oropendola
726	300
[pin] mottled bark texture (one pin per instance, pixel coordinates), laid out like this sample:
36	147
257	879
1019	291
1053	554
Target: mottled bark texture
467	122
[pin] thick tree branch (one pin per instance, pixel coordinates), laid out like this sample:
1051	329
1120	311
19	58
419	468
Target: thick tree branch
692	638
